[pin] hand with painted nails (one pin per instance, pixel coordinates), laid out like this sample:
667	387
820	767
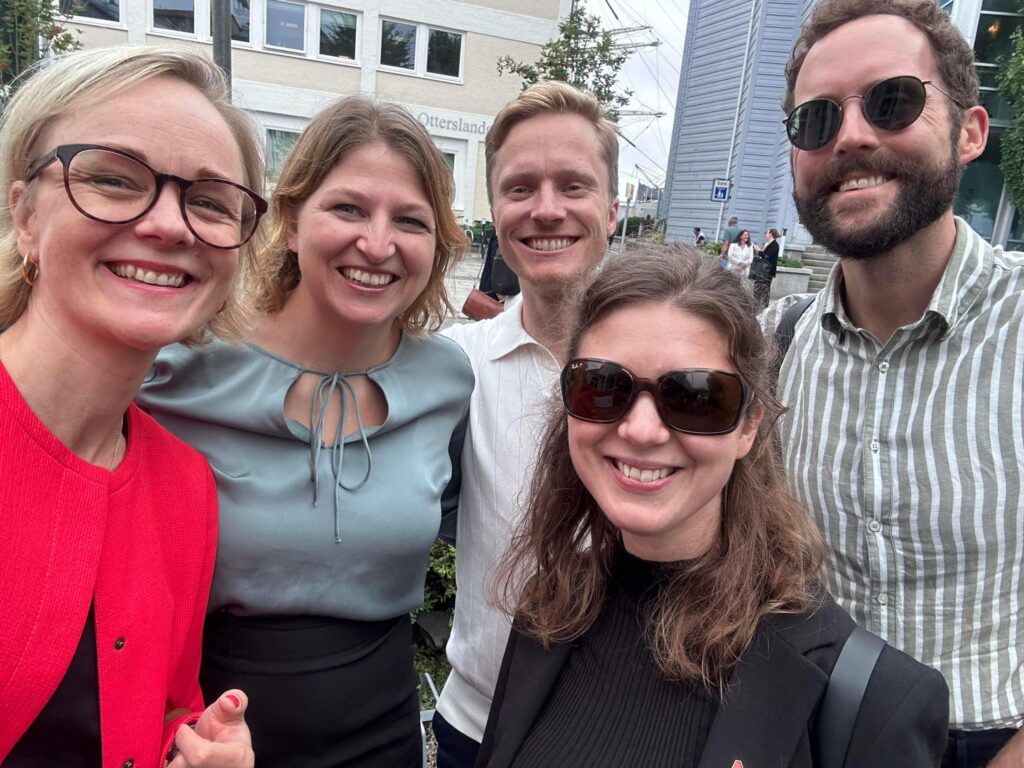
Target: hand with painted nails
220	738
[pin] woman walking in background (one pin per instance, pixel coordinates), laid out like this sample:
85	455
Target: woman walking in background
763	269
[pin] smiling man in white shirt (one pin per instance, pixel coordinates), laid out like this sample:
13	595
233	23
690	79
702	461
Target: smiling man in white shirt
552	159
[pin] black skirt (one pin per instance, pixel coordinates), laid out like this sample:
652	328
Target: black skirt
323	692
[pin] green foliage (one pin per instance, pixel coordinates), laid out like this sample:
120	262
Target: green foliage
28	30
1011	86
434	662
713	248
439	594
584	55
791	263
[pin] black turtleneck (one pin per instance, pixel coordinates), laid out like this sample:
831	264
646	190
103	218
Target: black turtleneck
612	707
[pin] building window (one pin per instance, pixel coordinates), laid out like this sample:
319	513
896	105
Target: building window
239	20
992	41
286	25
398	44
279	144
337	34
402	46
1003	6
980	189
102	10
449	159
947	6
175	15
444	53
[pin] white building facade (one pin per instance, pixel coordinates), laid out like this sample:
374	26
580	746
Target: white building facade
290	58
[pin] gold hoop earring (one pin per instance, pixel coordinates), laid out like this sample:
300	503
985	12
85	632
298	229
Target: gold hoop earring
29	270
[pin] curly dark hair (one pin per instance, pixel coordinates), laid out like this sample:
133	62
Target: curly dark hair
953	56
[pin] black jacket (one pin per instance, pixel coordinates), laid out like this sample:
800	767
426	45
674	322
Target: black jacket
770	256
770	708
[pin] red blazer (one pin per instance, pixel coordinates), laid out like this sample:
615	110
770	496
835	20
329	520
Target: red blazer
139	543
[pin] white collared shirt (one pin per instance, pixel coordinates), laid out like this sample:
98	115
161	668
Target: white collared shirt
516	390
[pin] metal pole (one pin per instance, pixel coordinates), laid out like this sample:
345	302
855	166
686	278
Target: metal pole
622	240
222	37
736	115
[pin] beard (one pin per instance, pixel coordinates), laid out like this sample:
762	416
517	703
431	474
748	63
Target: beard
926	192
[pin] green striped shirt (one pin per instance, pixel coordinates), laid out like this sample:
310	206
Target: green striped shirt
910	455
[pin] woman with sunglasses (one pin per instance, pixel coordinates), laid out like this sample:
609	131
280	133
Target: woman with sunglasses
740	254
335	435
128	208
665	585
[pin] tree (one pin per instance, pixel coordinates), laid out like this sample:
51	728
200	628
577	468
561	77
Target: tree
584	55
1011	87
29	29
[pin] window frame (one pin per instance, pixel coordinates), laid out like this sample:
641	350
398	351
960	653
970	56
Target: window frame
106	23
196	23
354	61
419	69
267	46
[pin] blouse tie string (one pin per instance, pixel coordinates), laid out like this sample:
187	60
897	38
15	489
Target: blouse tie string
325	389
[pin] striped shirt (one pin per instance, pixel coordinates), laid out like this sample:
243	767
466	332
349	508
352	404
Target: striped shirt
910	455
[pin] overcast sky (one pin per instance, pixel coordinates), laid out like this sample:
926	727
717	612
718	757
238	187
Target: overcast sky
653	75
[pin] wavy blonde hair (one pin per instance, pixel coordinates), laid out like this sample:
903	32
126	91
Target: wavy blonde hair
553	97
337	130
54	88
768	554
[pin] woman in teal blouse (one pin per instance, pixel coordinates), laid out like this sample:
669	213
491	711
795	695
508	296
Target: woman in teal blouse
334	435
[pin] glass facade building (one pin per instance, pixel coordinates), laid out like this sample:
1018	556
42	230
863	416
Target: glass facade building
983	202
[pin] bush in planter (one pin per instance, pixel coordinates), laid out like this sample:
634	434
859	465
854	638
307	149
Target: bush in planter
791	263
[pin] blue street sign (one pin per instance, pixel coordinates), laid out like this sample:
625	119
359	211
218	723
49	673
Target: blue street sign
720	190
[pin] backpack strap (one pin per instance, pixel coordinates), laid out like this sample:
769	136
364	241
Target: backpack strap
787	326
843	697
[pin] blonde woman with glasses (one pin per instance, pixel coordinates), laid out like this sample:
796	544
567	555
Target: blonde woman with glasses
129	210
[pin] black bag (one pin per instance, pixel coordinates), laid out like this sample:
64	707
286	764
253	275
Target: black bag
759	268
503	280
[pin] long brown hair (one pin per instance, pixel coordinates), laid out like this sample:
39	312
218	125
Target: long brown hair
768	554
334	132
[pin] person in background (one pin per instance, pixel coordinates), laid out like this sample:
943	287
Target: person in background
740	254
128	182
732	229
552	160
666	586
764	267
905	436
335	434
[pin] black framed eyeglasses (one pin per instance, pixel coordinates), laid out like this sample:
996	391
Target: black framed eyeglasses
891	105
697	401
116	187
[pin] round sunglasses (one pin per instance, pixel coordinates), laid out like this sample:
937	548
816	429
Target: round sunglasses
890	105
697	401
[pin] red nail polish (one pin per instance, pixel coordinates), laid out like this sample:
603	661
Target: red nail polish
234	700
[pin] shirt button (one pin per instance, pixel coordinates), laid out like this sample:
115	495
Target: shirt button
882	599
883	366
874	526
118	645
874	446
129	763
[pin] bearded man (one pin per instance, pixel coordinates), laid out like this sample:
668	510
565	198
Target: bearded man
905	378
